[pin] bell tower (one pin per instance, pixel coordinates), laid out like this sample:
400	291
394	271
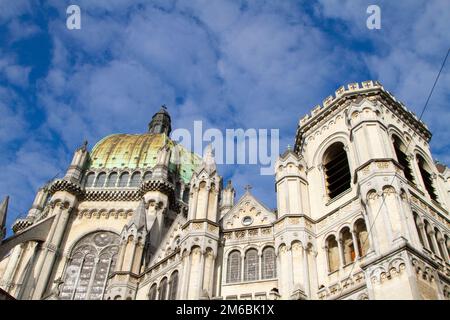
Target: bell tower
200	242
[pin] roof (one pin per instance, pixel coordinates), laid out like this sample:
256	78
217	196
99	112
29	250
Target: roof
134	151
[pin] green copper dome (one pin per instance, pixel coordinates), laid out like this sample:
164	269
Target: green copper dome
140	151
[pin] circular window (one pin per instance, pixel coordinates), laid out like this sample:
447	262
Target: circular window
246	221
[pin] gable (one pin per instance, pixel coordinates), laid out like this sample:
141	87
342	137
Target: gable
248	212
168	243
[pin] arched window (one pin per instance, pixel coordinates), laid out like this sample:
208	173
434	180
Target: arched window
234	267
428	232
173	286
112	179
417	223
440	242
427	177
337	170
332	253
135	179
362	237
269	264
251	265
89	180
152	292
100	180
147	176
347	246
91	261
163	289
123	181
400	152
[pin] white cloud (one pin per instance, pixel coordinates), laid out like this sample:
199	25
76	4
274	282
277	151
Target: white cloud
228	63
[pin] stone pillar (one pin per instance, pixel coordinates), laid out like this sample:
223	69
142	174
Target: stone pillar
433	239
201	273
341	253
444	249
186	276
50	251
355	244
306	272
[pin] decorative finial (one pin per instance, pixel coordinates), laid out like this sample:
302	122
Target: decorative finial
289	147
164	107
83	147
208	159
248	188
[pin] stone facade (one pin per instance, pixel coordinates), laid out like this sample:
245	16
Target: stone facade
362	213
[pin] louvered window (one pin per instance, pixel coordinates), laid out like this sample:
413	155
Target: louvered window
337	170
427	178
403	159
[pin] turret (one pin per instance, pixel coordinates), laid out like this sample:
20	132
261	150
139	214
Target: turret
75	171
39	202
205	186
228	195
291	185
200	242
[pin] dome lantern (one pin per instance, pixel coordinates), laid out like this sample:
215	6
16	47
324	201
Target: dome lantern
160	122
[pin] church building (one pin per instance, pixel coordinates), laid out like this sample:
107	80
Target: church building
362	213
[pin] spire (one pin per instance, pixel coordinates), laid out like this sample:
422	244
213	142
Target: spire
160	122
139	217
208	159
3	211
227	198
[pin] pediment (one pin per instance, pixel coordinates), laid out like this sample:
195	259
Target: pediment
248	212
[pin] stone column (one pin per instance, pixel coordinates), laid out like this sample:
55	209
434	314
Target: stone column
444	249
51	249
306	271
290	265
341	253
433	239
186	276
355	244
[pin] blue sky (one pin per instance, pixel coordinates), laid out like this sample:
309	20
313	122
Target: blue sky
231	64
